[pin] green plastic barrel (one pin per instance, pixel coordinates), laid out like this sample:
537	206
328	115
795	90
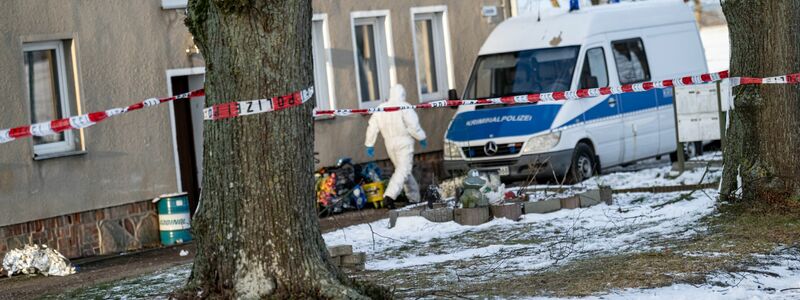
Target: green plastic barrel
173	219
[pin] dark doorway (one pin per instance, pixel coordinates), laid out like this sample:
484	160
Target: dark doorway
188	136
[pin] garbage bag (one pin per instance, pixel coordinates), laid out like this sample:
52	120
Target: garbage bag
36	259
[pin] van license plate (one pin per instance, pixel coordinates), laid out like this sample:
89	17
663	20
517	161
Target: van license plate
503	171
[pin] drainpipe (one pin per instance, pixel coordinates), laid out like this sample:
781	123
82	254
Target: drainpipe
507	8
698	12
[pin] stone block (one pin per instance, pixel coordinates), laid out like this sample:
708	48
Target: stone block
39	238
395	214
113	237
571	202
146	229
17	242
511	211
589	198
340	250
336	261
472	216
542	207
358	258
607	195
438	215
596	196
359	267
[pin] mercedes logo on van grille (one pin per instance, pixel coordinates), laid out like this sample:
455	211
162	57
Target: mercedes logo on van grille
490	149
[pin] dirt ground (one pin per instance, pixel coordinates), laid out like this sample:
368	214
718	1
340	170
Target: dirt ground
738	234
98	270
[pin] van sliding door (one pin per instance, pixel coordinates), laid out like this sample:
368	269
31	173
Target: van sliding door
600	113
639	110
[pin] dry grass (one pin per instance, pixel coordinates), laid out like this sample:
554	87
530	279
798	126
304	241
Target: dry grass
599	274
745	229
737	233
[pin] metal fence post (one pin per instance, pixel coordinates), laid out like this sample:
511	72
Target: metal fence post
679	149
722	115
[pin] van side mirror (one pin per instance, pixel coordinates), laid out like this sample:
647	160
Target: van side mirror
452	94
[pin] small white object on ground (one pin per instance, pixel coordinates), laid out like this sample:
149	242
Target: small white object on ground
34	259
184	253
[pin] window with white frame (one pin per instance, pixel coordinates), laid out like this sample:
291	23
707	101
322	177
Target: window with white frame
323	69
46	82
430	53
371	59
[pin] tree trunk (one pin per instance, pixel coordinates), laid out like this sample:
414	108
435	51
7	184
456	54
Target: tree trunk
257	231
761	146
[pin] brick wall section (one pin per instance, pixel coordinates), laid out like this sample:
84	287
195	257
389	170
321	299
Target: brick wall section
86	233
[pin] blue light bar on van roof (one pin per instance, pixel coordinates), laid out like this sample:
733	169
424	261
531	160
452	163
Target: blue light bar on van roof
574	5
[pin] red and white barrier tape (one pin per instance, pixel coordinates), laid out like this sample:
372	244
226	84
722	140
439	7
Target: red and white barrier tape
243	108
251	107
544	97
85	120
572	95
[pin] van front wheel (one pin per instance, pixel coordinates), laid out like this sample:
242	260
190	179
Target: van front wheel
583	164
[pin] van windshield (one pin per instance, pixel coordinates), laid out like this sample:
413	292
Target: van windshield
522	72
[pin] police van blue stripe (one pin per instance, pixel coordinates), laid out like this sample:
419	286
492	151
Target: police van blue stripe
513	121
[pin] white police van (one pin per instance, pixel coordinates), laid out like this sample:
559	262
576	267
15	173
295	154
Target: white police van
608	45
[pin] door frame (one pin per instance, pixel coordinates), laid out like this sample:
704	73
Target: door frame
177	73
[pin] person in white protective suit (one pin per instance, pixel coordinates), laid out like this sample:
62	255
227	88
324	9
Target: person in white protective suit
400	129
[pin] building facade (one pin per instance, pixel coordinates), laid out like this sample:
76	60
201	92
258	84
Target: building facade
88	192
428	46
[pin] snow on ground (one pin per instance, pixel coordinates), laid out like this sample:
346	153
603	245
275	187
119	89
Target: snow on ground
441	253
708	156
633	223
647	173
537	241
777	278
656	176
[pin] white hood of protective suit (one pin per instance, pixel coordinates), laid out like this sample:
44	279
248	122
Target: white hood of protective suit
397	126
397	96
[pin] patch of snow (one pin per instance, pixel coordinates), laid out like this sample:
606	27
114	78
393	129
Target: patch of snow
631	224
654	177
779	279
488	251
708	156
647	173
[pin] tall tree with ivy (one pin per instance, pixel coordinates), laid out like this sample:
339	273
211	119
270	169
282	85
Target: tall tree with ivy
257	231
762	162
